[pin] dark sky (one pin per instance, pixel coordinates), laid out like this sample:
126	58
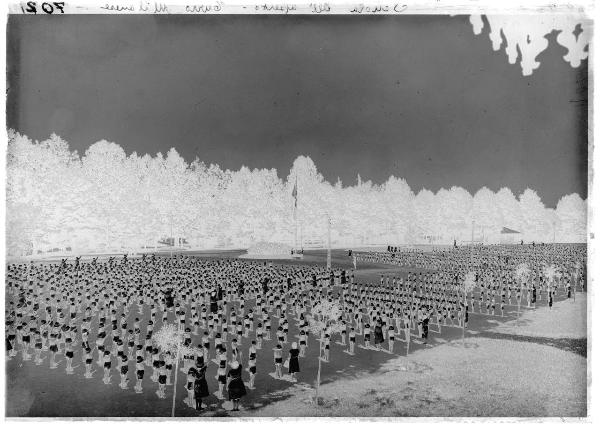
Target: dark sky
420	97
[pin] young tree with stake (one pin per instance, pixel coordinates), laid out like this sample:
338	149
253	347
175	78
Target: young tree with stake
324	316
522	273
170	338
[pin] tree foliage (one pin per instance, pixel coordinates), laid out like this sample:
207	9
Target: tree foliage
107	200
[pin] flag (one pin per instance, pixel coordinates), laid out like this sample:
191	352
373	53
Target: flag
295	193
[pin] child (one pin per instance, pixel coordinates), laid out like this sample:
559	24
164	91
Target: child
326	344
139	371
148	349
277	356
259	336
162	379
391	338
11	345
246	326
352	338
239	329
203	317
279	333
222	380
88	358
211	327
130	345
268	329
302	343
218	345
252	371
234	350
53	350
169	359
84	338
155	365
206	344
69	355
252	351
124	370
367	332
38	349
222	358
285	330
107	363
190	387
224	329
407	327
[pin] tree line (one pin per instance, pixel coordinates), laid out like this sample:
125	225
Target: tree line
107	200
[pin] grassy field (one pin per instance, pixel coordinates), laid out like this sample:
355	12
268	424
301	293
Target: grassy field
487	377
499	373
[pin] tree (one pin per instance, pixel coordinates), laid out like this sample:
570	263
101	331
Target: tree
522	273
571	211
425	218
508	206
398	204
525	37
108	200
324	316
170	340
104	167
486	215
533	213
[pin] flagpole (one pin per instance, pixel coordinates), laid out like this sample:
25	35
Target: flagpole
301	238
295	196
295	229
328	242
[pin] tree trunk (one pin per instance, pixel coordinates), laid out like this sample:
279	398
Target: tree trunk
318	377
463	320
175	383
407	348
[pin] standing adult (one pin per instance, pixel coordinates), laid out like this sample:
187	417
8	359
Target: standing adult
236	387
294	365
378	335
200	386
